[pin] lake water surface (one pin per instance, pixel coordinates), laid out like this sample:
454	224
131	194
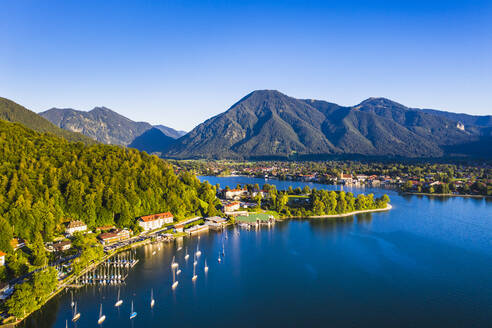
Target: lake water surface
425	263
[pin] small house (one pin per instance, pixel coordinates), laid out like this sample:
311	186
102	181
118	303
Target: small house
2	258
62	245
231	207
17	243
216	222
179	227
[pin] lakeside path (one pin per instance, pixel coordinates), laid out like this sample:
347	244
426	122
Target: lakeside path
387	208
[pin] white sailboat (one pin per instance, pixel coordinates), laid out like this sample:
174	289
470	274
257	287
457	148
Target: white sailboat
206	266
71	297
76	315
118	301
133	314
187	256
219	259
194	272
102	317
152	301
174	264
178	272
175	282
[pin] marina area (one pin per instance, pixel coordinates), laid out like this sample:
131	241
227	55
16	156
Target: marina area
362	262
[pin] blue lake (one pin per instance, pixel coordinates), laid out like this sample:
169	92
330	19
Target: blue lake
425	263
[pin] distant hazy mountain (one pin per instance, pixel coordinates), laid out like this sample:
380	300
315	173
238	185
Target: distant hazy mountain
13	112
152	141
170	132
101	124
268	123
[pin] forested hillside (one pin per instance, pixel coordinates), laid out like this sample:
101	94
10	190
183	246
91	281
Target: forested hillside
13	112
46	181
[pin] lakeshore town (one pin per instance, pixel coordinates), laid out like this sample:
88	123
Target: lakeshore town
427	178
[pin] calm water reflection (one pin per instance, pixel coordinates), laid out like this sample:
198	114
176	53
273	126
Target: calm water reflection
426	263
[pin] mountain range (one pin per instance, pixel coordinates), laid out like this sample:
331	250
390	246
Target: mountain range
106	126
267	123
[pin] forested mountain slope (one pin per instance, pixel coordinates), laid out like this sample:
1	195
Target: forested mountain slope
267	123
13	112
46	181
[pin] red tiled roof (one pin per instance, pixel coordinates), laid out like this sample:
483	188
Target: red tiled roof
105	228
113	234
152	217
107	235
2	253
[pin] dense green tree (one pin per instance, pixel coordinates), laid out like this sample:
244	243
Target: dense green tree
39	257
6	234
22	300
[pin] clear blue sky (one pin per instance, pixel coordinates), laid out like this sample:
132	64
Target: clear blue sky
181	62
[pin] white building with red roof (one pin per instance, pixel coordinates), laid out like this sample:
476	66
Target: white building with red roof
155	221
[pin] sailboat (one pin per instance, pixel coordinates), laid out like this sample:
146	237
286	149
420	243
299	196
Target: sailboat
76	315
187	256
118	301
174	264
195	262
102	317
206	266
71	297
194	272
175	282
133	314
152	301
219	259
198	252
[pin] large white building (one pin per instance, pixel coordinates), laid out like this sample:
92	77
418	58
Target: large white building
75	226
155	221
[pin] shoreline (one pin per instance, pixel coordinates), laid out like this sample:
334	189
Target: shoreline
334	216
65	284
445	195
